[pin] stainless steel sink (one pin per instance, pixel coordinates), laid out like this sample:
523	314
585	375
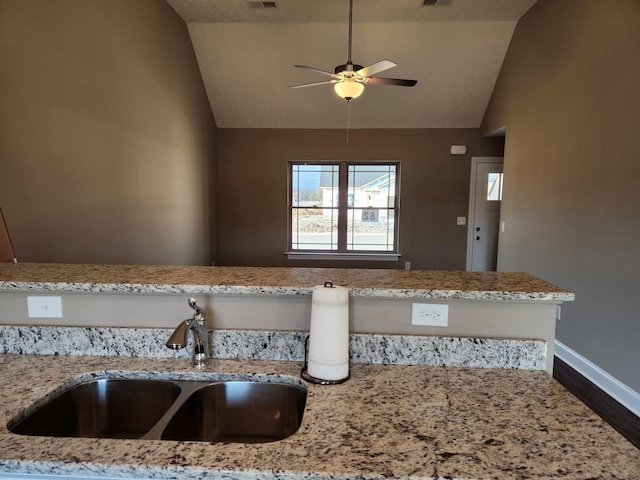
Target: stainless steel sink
239	412
106	408
236	411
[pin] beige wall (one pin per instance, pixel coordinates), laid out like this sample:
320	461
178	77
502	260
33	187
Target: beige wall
251	190
106	136
107	151
569	96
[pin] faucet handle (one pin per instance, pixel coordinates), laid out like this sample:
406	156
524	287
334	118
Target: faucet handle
194	305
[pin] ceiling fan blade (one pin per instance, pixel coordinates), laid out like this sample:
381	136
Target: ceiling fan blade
324	72
377	67
390	81
313	84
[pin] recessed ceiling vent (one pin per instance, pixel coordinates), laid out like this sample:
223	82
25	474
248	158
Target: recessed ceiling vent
260	5
436	3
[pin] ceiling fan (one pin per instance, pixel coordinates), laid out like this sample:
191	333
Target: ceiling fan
349	79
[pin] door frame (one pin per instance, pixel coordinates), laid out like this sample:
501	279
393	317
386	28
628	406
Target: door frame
6	247
475	161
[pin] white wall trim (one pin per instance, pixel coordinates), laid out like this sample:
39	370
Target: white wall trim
391	257
613	387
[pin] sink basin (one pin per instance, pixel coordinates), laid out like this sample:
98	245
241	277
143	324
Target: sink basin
241	412
106	408
230	411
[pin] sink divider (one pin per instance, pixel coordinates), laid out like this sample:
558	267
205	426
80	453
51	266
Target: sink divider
187	389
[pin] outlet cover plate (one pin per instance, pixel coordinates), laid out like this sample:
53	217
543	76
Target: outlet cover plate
43	306
430	314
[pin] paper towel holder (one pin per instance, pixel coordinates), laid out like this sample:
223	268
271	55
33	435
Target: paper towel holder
318	381
331	304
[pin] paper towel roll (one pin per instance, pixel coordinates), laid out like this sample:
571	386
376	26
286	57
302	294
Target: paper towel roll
329	333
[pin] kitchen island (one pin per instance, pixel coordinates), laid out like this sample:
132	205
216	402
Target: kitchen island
387	421
502	306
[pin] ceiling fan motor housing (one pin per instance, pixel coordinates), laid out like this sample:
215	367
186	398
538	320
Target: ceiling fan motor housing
347	67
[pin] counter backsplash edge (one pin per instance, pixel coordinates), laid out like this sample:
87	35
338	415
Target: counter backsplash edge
279	345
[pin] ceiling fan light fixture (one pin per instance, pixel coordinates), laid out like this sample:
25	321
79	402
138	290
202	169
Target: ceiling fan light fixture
348	89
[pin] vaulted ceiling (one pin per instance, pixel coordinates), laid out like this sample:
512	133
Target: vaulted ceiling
246	52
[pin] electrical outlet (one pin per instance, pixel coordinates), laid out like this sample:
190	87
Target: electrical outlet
430	314
44	307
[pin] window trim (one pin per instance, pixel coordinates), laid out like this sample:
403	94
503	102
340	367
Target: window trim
341	253
315	255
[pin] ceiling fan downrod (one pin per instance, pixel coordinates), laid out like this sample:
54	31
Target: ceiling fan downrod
350	33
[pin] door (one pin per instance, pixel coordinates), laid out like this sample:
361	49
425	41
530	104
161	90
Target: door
485	199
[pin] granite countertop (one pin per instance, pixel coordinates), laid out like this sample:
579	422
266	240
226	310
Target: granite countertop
410	422
377	283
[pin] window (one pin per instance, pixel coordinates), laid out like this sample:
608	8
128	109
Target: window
343	208
494	187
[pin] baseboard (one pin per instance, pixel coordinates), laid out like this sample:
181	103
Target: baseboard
610	385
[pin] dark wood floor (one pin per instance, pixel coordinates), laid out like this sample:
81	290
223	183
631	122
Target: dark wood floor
615	414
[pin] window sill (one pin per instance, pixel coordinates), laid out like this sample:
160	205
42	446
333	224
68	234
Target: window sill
390	257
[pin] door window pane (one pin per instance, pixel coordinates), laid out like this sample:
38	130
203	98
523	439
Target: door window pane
494	187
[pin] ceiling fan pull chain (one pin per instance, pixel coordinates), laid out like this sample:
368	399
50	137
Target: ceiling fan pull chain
348	119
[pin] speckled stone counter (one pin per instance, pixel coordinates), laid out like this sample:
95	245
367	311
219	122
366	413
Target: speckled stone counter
408	422
378	283
277	345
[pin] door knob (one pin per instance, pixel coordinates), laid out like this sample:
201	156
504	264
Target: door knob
478	237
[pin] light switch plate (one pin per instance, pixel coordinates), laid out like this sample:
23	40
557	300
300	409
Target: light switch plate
42	306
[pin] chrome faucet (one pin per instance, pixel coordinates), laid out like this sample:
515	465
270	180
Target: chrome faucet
198	326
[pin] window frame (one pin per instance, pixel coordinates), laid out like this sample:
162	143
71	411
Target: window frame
342	251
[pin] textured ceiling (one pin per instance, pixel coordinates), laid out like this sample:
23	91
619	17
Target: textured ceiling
246	56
